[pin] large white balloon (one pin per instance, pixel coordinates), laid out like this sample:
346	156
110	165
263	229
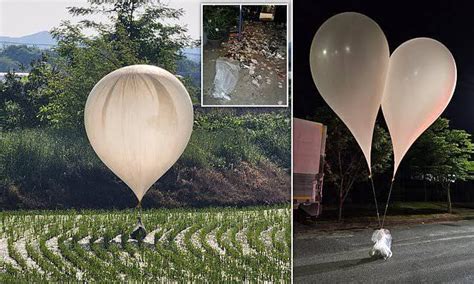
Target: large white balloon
420	83
139	120
349	61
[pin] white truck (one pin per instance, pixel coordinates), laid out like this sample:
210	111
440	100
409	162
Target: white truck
309	141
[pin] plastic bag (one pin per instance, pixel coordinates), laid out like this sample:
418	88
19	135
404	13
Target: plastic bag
227	75
139	232
382	244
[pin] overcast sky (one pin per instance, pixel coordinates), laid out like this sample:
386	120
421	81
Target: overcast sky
24	17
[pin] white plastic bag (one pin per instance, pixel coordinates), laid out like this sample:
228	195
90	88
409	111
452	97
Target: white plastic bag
382	244
227	75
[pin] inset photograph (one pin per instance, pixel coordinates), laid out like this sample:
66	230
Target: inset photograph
244	55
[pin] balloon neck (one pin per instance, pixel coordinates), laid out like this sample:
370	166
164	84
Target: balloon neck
139	207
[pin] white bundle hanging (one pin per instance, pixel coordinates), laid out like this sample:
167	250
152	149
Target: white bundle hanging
382	244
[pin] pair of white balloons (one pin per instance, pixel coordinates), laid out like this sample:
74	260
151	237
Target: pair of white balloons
355	74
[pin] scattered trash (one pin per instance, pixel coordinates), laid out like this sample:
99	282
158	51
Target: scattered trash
382	244
261	53
262	45
227	75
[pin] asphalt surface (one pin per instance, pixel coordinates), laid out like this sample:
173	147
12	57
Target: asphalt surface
431	253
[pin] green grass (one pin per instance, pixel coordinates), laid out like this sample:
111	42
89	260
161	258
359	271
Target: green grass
182	248
57	168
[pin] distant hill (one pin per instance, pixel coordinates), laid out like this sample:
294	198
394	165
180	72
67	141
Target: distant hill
193	54
42	40
20	51
18	57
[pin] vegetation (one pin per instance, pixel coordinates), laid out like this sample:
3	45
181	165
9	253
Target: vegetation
18	57
345	164
185	245
233	158
442	155
218	20
44	168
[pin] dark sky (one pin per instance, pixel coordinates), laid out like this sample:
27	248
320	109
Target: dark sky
450	22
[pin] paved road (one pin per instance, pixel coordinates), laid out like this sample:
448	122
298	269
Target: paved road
432	253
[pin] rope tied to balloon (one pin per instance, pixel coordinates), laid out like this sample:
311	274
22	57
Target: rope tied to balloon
355	74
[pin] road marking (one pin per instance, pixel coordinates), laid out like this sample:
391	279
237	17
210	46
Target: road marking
436	240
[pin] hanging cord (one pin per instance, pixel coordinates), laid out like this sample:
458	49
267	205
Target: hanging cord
388	200
139	207
375	199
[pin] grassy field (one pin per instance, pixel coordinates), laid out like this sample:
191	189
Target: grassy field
182	245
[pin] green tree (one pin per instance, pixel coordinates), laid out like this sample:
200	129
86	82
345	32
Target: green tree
18	57
22	98
442	155
345	164
139	32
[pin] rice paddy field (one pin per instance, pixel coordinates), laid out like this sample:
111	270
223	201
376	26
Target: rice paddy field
181	245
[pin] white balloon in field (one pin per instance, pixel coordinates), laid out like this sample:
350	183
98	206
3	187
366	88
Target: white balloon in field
420	83
139	120
349	60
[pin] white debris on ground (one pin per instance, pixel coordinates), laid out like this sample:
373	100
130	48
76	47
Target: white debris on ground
20	247
266	237
134	257
150	237
164	236
4	253
117	239
227	75
280	235
179	239
260	53
241	237
196	241
52	245
212	241
261	47
84	241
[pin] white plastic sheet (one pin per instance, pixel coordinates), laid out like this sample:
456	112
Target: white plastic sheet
139	120
382	244
227	75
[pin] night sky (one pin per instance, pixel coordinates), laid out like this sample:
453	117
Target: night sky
450	22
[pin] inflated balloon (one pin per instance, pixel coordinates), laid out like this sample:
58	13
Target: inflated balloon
349	61
420	83
139	120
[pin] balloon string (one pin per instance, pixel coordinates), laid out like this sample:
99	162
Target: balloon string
388	200
139	206
375	199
